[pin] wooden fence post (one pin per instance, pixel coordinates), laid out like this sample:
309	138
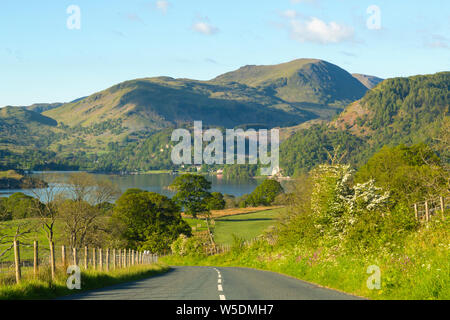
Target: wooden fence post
17	261
416	212
52	259
75	256
114	259
132	257
442	207
63	255
100	259
125	260
86	252
36	259
107	259
427	212
120	258
94	258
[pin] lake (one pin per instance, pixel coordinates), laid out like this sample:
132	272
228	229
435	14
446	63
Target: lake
158	183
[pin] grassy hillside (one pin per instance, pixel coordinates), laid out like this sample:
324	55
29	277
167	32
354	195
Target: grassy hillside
303	81
369	81
155	103
401	110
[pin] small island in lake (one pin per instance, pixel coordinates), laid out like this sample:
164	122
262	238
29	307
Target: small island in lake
13	180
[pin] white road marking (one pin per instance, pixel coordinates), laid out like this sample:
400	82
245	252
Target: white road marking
222	297
219	281
219	287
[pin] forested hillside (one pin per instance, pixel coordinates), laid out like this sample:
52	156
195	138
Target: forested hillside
398	111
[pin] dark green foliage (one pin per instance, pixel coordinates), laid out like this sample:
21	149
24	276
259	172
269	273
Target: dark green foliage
308	148
408	110
216	201
401	110
148	221
410	173
20	206
240	171
264	194
192	193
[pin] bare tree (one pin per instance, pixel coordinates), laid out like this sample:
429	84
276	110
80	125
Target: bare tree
45	206
80	212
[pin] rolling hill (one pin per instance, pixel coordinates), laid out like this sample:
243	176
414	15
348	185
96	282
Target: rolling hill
398	111
127	127
157	103
302	81
369	81
279	95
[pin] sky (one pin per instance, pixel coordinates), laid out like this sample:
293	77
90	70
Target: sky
58	51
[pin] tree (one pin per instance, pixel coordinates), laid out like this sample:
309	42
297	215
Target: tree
216	201
19	206
148	221
47	212
265	193
80	211
411	174
192	194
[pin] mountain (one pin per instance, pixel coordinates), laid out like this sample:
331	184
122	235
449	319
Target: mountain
127	127
42	107
156	103
302	81
369	81
398	111
14	116
280	95
24	128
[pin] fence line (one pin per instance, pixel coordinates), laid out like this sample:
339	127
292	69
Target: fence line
432	207
102	259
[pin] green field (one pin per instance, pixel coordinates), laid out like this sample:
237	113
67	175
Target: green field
37	234
245	226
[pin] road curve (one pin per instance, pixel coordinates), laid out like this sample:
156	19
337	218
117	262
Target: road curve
210	283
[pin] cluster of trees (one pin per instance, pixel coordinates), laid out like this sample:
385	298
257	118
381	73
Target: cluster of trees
398	111
363	210
82	207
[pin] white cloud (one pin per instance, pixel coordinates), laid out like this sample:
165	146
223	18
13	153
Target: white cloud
162	5
290	14
316	30
204	27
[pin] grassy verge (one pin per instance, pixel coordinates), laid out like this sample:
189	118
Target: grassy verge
419	269
31	289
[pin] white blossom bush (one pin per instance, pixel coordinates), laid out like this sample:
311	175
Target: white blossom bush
331	187
337	205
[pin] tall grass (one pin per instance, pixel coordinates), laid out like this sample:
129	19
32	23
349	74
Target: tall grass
44	288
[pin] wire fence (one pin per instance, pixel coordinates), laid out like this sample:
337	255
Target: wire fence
31	259
426	210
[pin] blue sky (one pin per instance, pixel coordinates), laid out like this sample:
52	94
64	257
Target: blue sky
42	60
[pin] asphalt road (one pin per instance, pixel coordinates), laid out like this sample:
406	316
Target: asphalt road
209	283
